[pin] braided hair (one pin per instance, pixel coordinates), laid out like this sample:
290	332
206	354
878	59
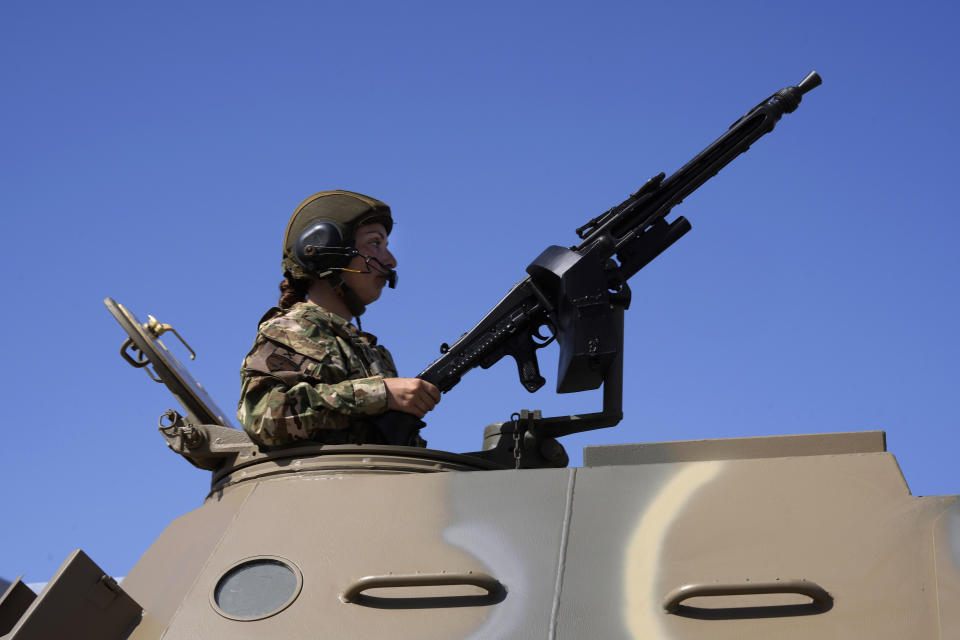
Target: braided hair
293	290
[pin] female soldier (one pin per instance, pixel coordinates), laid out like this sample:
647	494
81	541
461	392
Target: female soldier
312	375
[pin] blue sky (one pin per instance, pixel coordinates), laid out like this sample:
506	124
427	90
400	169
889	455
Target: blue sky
153	153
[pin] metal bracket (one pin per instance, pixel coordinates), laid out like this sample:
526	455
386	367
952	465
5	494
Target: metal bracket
137	358
157	329
206	446
181	435
530	441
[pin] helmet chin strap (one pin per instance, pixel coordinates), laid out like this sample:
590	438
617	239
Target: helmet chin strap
348	295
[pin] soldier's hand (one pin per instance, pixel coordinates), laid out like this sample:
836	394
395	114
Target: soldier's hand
411	395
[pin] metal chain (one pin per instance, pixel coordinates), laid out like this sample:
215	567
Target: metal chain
517	440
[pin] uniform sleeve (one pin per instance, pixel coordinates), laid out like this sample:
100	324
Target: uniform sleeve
287	396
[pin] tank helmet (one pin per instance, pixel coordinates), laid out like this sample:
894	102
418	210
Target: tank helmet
319	238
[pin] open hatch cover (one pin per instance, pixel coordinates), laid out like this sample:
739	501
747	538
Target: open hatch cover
144	348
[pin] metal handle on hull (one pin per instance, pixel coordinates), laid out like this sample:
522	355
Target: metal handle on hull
471	578
821	600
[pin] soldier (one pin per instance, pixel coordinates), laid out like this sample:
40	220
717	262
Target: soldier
311	374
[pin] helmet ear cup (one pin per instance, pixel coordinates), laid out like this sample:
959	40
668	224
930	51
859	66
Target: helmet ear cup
321	236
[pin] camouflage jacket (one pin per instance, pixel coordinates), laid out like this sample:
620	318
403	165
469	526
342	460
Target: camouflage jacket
312	375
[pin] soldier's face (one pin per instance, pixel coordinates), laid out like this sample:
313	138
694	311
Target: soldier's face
371	241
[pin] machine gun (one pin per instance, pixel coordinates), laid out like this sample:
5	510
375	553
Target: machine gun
578	296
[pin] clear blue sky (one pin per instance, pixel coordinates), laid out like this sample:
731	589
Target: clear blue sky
153	152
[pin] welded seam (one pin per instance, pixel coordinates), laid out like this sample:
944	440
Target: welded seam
213	552
936	579
944	513
562	560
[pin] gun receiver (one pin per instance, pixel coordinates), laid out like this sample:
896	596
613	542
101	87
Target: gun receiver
576	293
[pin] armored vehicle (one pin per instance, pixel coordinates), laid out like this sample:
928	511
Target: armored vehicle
808	536
805	536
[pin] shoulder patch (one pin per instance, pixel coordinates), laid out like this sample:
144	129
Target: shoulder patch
277	362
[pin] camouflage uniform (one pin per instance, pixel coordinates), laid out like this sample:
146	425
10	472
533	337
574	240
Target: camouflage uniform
312	375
